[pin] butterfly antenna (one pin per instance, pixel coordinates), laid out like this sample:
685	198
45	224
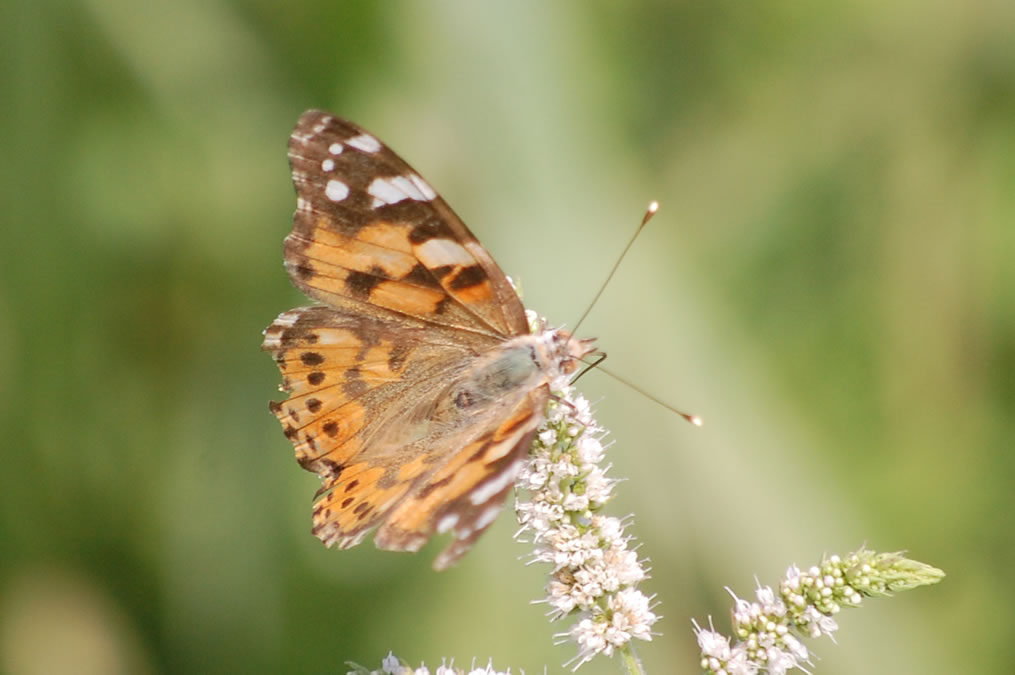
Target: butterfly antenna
600	357
649	212
693	419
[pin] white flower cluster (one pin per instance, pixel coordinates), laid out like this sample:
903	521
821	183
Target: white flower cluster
768	628
595	573
392	665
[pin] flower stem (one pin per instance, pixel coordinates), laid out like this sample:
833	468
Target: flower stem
632	664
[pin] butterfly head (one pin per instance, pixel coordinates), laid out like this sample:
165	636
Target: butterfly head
567	351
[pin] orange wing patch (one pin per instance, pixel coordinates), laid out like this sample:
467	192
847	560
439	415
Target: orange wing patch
352	504
364	252
467	492
330	365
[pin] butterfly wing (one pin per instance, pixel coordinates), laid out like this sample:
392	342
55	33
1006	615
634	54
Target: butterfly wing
414	301
468	491
371	236
370	412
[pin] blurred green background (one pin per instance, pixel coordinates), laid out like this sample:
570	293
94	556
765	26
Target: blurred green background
830	284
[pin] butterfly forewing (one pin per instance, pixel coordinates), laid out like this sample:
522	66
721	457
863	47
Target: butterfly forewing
369	234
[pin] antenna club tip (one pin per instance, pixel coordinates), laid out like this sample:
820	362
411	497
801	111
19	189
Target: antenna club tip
653	206
694	419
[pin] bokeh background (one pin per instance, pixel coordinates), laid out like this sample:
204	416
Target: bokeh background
830	283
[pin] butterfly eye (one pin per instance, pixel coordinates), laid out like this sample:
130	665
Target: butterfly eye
568	366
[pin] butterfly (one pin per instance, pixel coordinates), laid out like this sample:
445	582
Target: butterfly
416	387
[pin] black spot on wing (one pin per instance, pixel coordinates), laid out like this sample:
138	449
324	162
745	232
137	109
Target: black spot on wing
443	271
397	357
297	336
419	275
431	229
354	385
442	306
473	275
329	468
311	359
361	284
304	271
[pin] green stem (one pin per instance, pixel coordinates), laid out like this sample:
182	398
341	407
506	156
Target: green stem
632	664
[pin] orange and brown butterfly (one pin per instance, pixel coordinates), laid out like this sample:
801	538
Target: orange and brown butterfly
416	386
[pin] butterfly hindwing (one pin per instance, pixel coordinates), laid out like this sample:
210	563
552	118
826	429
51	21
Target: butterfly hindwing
466	494
373	412
347	375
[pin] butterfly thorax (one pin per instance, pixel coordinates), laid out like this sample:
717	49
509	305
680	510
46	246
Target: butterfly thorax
520	365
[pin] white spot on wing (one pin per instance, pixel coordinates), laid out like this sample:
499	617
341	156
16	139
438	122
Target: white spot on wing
331	337
424	187
364	142
302	204
440	252
447	522
336	190
328	165
385	191
486	490
487	516
395	189
347	541
287	319
413	544
335	148
406	185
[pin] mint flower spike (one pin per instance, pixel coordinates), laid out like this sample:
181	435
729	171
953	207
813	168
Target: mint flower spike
392	665
595	571
768	630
